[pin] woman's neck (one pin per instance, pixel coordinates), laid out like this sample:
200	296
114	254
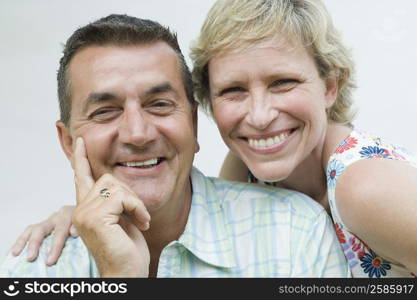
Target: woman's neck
310	176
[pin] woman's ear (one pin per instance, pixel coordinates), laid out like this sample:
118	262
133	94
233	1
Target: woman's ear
195	124
332	87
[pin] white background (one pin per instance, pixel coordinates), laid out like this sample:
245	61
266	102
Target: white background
36	178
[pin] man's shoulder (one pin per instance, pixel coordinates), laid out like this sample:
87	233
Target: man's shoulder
75	261
242	193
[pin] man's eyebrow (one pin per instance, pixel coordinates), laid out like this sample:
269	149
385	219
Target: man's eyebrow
94	98
161	88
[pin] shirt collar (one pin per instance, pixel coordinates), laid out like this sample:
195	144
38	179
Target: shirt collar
205	233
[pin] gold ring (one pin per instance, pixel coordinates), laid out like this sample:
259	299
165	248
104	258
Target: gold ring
105	193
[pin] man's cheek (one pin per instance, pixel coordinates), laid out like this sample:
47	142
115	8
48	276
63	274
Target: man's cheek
97	154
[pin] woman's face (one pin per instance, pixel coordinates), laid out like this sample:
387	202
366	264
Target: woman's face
269	104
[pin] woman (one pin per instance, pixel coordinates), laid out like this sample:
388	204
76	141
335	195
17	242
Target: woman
278	82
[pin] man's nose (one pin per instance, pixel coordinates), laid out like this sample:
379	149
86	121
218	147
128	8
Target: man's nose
136	127
261	111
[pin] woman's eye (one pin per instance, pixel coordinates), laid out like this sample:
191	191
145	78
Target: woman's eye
284	84
230	90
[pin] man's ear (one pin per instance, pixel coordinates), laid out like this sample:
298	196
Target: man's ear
65	139
195	125
332	88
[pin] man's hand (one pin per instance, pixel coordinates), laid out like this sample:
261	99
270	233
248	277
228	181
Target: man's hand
110	226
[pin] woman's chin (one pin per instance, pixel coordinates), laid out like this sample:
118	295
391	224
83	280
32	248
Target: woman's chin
269	174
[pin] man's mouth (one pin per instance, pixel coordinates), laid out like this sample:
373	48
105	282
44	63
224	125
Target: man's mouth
142	164
270	141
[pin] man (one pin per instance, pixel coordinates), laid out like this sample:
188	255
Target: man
128	126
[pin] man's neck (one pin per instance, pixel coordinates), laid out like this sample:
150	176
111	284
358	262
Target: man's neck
167	225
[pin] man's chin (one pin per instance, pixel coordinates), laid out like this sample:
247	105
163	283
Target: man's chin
153	200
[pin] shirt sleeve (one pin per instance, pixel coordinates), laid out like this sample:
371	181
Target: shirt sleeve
316	251
75	261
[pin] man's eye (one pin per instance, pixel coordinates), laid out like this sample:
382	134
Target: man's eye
103	113
161	106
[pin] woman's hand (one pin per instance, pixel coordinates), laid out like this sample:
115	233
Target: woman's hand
59	224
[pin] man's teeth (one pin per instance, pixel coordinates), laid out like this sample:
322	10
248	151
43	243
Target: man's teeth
269	142
146	163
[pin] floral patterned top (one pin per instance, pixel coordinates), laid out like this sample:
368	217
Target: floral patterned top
362	261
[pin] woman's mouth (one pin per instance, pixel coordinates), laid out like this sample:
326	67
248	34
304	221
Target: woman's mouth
270	142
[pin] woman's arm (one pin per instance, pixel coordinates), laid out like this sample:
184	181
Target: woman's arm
59	224
377	200
234	169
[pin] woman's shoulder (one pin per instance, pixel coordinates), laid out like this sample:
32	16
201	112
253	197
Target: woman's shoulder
361	144
375	188
368	152
364	165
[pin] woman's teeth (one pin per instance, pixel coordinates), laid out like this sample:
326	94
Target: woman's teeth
269	142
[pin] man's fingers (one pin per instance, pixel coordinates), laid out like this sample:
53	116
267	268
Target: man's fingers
83	178
122	201
143	226
137	212
135	209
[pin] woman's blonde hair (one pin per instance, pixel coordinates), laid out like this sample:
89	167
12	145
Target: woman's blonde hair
232	24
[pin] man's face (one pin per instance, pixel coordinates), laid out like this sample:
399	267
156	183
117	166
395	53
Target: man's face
129	105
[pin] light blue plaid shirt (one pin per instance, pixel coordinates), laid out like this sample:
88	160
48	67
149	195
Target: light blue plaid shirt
233	230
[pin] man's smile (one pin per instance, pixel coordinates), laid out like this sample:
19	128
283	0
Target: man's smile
149	163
